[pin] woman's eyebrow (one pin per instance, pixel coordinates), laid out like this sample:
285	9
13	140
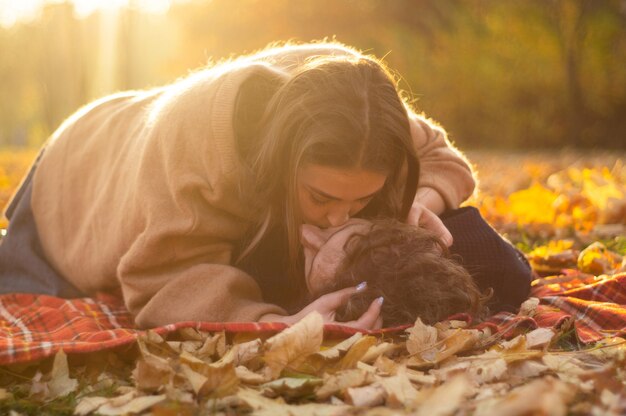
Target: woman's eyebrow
325	195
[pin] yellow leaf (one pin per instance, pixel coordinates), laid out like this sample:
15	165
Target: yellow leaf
356	352
596	259
533	205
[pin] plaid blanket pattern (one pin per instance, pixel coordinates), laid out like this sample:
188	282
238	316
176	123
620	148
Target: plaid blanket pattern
33	327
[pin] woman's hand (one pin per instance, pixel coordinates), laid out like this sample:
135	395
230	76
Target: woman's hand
428	203
327	306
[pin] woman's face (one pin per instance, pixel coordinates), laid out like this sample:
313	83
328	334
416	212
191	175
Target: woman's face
324	251
329	196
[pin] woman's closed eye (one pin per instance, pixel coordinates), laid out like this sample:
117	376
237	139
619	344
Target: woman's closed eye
321	200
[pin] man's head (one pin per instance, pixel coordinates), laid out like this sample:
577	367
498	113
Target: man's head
410	267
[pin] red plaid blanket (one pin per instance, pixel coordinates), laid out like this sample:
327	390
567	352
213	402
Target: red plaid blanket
37	326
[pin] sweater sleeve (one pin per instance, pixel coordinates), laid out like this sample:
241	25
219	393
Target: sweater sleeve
179	267
442	167
199	292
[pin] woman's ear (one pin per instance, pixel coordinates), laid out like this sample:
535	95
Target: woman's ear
312	236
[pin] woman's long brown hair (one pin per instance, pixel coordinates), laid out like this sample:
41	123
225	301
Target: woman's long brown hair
339	111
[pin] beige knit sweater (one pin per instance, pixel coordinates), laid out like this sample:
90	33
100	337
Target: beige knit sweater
139	190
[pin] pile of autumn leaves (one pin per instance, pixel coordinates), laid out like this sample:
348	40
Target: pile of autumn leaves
428	370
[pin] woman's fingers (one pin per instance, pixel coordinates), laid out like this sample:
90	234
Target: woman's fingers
421	216
339	298
433	223
372	318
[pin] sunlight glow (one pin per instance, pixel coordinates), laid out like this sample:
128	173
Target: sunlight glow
20	11
12	11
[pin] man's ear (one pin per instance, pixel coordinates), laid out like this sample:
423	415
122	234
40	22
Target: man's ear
312	236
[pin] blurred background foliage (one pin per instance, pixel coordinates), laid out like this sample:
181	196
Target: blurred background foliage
496	74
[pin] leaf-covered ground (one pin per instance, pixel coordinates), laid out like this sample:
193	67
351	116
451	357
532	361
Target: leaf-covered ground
564	211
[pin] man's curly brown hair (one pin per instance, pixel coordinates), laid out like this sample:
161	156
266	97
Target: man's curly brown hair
413	270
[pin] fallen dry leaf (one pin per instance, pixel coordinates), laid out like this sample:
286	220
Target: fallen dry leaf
136	405
367	396
293	345
339	349
422	340
399	392
444	399
544	396
291	387
356	353
60	383
539	338
249	377
338	382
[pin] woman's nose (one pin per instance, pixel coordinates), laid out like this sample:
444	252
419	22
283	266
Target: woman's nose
338	217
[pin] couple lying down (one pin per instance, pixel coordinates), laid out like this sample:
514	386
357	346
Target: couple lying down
410	270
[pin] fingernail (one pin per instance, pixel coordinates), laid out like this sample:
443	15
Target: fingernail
380	300
361	286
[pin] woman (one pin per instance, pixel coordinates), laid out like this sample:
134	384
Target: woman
163	193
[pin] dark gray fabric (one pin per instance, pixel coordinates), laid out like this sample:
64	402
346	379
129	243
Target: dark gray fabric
492	261
23	267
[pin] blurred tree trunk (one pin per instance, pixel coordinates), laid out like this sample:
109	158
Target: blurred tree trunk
570	25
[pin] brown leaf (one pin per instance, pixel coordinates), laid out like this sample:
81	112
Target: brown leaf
249	377
526	369
367	396
386	366
196	379
539	338
399	392
215	344
337	350
212	380
483	368
241	354
444	399
544	396
422	340
293	345
291	387
529	307
191	334
376	351
419	377
60	383
136	405
151	373
258	402
342	380
89	404
457	341
516	350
